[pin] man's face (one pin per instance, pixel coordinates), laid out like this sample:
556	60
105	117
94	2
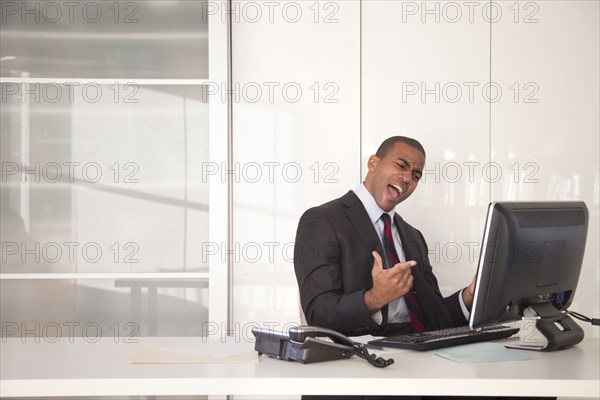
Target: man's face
393	178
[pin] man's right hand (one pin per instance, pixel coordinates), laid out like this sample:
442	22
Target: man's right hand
388	284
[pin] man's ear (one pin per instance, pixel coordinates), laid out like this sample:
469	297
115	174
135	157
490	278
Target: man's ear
372	163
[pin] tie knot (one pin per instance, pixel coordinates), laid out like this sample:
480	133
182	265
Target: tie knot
385	217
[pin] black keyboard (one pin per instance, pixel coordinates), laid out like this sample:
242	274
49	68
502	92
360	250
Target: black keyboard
445	337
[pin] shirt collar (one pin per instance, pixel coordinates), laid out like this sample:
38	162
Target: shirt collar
370	204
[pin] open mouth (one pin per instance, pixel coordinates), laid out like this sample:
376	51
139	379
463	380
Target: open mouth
394	190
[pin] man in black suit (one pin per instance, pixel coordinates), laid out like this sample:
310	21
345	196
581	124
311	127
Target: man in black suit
339	258
343	282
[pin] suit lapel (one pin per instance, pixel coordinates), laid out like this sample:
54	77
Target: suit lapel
408	242
411	251
362	223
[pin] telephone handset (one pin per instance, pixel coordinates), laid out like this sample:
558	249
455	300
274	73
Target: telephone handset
302	344
300	333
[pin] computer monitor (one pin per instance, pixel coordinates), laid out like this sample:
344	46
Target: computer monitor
530	263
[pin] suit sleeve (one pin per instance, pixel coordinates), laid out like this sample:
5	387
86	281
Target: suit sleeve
319	271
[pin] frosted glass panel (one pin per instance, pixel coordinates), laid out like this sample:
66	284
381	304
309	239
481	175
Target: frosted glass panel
104	136
105	186
104	39
121	308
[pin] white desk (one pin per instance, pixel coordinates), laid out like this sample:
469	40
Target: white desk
102	369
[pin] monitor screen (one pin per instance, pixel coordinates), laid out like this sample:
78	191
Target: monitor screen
531	256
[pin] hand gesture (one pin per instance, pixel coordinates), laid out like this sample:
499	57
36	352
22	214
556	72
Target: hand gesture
388	284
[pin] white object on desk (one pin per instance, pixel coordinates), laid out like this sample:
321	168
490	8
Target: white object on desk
216	350
484	352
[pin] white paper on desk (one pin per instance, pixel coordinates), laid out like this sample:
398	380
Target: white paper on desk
218	348
227	350
483	353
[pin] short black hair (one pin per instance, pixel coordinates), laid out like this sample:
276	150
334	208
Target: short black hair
390	142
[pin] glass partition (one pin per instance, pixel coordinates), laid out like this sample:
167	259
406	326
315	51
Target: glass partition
105	137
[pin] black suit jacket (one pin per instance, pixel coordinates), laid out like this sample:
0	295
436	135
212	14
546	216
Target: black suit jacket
333	264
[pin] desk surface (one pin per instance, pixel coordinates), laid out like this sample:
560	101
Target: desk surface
81	368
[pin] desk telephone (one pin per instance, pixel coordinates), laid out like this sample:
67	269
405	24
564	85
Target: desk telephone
302	344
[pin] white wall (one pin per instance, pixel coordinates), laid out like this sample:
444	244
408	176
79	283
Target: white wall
426	73
414	78
313	132
559	134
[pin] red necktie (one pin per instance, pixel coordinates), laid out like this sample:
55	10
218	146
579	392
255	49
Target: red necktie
415	312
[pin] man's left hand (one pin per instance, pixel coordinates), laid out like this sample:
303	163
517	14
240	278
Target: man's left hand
469	293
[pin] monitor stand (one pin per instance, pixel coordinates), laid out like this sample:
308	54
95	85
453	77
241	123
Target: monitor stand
557	327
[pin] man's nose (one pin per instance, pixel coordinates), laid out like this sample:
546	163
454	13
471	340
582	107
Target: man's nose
405	176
